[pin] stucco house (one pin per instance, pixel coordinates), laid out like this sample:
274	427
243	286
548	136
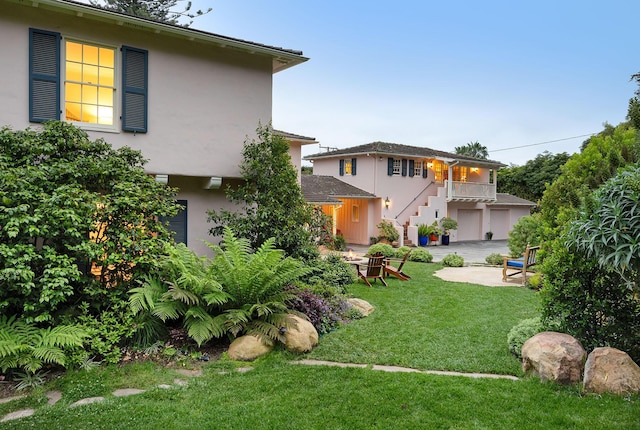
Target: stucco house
186	98
411	185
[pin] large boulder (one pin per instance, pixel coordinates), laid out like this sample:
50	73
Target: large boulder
301	336
554	357
609	370
248	348
362	306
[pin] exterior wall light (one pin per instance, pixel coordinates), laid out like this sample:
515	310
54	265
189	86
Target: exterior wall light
386	202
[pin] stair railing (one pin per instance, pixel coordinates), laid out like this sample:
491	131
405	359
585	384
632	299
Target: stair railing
414	199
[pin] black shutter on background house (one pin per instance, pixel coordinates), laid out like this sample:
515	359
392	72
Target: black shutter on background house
404	167
353	166
44	75
341	167
390	166
134	93
412	170
425	171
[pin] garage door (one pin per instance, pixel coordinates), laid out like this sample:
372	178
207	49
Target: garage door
469	224
500	223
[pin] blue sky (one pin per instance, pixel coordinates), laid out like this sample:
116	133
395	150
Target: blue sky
442	74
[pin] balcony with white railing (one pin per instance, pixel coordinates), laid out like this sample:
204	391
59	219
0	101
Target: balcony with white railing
470	192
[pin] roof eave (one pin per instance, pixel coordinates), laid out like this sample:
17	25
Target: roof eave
281	59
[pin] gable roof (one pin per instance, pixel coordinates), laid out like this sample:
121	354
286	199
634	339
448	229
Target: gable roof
281	58
321	189
396	149
504	199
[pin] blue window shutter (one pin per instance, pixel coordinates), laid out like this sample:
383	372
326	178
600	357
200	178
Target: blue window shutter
404	167
412	170
353	166
390	166
44	75
134	89
341	167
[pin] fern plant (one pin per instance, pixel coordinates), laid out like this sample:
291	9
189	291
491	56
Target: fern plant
25	346
256	284
183	289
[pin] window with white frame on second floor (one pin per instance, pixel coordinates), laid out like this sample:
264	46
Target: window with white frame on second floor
460	173
89	84
348	167
417	169
77	81
397	166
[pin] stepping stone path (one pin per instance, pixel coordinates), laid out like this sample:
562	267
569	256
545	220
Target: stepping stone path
55	396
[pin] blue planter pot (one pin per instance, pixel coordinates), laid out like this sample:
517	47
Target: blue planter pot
423	240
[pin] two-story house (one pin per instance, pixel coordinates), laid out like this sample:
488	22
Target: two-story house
186	98
409	186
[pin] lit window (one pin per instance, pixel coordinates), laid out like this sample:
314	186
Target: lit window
460	173
397	166
440	170
348	167
355	213
417	169
89	83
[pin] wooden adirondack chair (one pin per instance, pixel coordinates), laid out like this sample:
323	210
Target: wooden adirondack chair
374	269
520	265
397	272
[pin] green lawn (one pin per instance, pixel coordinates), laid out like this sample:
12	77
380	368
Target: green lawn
425	323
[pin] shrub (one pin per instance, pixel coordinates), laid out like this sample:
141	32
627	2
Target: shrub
421	255
25	346
326	309
453	260
400	252
184	289
388	231
522	331
256	283
528	230
386	250
591	303
338	242
494	259
331	271
67	202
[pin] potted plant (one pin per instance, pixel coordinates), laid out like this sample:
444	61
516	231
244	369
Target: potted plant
447	225
388	233
434	231
489	235
423	234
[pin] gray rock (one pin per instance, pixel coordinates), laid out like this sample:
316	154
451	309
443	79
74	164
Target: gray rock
554	357
127	392
17	414
86	401
609	370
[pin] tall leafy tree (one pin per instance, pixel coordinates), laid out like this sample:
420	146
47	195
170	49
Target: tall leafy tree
586	171
633	113
270	201
157	10
530	180
473	149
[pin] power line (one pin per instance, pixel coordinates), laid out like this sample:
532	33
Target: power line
542	143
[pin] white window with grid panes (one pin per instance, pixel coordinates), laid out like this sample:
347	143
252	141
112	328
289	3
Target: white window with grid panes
397	166
417	169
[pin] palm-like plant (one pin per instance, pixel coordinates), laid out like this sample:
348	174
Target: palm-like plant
28	347
256	283
183	289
